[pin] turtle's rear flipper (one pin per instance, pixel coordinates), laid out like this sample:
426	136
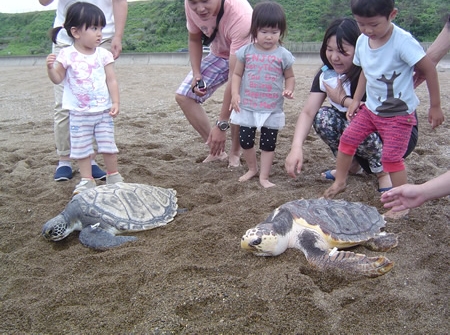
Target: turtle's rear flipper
357	263
97	238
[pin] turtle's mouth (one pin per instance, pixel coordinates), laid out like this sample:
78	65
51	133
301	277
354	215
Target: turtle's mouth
50	235
55	233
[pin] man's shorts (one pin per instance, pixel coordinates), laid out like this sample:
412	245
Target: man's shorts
214	73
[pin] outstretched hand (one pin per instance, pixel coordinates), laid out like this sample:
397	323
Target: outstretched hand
403	197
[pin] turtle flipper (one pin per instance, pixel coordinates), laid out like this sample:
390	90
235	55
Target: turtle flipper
356	263
381	242
93	236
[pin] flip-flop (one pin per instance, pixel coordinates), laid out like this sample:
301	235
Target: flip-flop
328	175
384	189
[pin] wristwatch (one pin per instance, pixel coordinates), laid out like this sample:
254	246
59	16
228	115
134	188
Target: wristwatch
223	125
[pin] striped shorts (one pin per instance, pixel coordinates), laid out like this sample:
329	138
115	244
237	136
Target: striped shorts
214	72
86	126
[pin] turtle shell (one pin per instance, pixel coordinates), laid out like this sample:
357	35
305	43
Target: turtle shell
127	206
341	220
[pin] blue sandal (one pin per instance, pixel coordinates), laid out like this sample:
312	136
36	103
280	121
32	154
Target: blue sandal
384	189
328	175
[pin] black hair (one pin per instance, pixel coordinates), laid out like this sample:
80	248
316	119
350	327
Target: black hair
80	15
268	14
345	30
371	8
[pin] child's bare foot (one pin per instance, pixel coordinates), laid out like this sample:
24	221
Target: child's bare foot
396	215
234	161
334	190
266	183
249	175
212	158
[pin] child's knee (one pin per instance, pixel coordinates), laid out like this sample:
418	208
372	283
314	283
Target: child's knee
393	166
268	140
247	137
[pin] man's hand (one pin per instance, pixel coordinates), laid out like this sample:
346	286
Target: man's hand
116	47
216	141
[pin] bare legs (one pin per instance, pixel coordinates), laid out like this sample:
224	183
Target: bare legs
195	114
343	163
198	118
266	164
85	165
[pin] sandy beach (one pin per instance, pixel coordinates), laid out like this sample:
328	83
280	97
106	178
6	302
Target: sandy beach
191	276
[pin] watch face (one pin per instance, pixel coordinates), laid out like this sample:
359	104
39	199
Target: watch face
223	125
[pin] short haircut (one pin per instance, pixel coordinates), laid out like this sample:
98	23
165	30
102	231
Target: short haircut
370	8
268	14
81	15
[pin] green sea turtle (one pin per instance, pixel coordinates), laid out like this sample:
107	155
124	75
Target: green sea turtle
104	211
318	227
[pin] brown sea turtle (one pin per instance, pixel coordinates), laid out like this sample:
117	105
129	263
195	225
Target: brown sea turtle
318	227
104	211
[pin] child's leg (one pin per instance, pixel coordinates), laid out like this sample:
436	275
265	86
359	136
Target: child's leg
353	135
267	144
111	163
104	134
266	165
247	142
112	176
87	182
396	133
398	178
343	163
235	148
252	164
85	167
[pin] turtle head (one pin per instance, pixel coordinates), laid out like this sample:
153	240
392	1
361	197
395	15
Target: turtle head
264	241
270	237
57	228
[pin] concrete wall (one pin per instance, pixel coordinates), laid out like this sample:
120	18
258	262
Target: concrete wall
163	58
168	58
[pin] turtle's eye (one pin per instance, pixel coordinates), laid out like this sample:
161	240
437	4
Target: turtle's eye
257	241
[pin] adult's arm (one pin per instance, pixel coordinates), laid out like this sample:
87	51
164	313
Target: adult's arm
437	50
294	160
120	12
410	196
435	114
195	56
217	137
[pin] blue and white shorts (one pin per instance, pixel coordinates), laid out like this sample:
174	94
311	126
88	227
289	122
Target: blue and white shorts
84	127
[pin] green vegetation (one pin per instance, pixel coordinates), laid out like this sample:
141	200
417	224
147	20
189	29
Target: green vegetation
160	25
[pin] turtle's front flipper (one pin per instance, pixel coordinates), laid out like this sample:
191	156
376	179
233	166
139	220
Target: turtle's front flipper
93	236
356	263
